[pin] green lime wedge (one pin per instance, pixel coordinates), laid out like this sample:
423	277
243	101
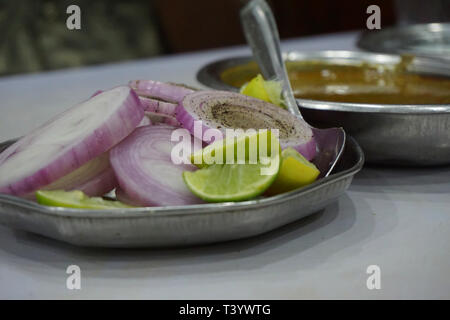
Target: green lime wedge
255	162
295	172
232	182
76	199
242	148
269	91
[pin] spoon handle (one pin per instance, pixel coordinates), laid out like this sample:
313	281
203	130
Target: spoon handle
261	33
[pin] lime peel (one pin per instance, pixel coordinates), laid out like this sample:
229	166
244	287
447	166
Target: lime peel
244	148
222	182
269	91
295	172
230	182
76	199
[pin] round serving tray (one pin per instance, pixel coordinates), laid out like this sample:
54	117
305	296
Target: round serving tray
181	225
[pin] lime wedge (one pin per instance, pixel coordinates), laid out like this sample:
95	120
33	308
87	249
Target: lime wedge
243	148
231	182
269	91
76	199
295	172
251	169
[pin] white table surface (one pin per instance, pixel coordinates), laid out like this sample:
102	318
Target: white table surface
396	219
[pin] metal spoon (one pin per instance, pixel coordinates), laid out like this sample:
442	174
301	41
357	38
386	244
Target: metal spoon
261	33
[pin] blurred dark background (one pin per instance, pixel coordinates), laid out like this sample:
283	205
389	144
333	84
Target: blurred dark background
34	36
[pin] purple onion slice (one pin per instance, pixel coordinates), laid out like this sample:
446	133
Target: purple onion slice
222	110
164	91
162	118
158	106
69	140
144	169
95	178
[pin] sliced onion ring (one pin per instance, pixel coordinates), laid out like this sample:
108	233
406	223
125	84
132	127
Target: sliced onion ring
69	140
146	121
222	110
94	178
161	90
145	171
124	198
158	106
162	118
171	121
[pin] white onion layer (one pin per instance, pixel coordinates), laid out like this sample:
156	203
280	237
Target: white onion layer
94	178
227	110
145	171
69	140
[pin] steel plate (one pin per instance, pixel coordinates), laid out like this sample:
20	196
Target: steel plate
183	225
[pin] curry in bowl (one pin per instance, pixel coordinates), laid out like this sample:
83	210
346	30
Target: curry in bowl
361	82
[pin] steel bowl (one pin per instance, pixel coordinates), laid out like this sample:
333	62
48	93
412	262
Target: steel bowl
429	39
390	134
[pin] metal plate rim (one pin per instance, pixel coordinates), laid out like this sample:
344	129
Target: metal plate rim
189	209
208	75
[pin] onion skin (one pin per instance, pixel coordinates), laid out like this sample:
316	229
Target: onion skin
99	185
124	198
125	114
158	106
145	122
172	121
162	118
145	171
216	109
96	93
95	178
161	90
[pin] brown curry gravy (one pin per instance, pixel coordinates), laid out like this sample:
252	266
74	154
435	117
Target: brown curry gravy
361	83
